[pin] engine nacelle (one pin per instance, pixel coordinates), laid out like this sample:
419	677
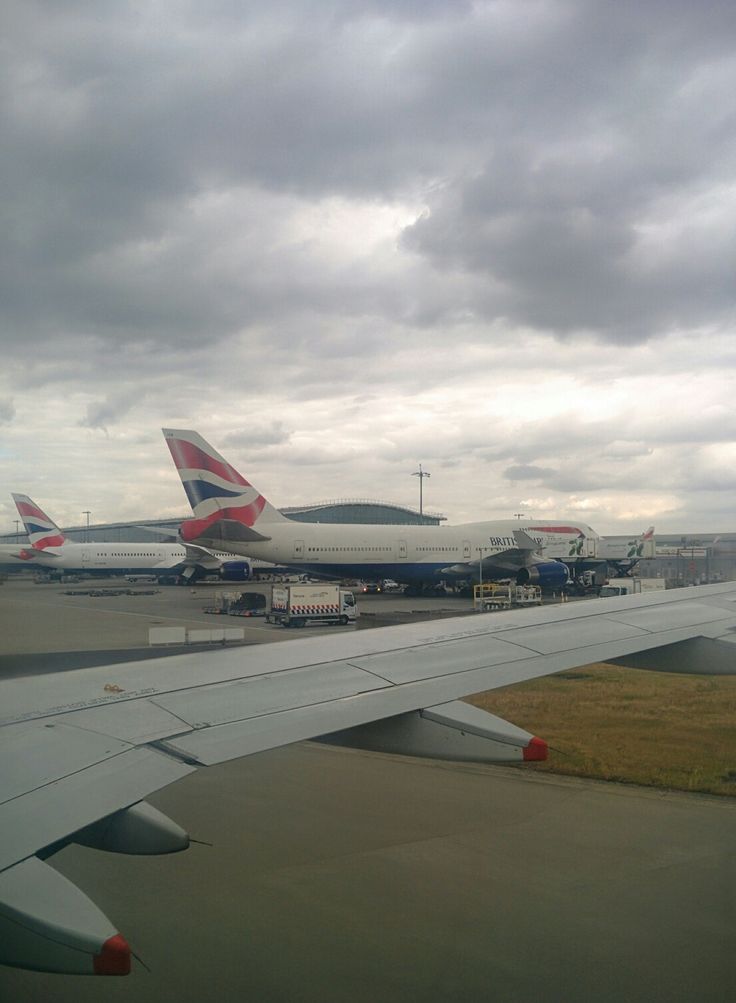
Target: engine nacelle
235	571
548	574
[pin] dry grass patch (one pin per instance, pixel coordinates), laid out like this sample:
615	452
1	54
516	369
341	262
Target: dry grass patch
652	728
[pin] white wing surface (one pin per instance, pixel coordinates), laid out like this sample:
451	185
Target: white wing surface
81	750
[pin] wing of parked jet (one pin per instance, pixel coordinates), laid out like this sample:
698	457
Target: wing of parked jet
81	750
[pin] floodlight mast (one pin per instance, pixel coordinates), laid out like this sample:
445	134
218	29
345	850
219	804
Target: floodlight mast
421	474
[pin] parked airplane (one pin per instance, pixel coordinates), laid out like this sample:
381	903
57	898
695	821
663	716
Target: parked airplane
230	513
81	750
51	551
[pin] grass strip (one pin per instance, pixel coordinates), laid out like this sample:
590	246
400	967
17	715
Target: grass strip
652	728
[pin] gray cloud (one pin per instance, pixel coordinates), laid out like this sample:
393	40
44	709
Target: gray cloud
528	472
280	220
542	166
102	413
258	435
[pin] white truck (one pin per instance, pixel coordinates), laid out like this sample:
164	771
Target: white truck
297	604
631	586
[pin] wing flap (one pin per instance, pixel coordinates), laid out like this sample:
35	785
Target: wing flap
135	722
283	691
441	659
672	616
550	638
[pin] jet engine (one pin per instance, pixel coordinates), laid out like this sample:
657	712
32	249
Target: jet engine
548	574
235	571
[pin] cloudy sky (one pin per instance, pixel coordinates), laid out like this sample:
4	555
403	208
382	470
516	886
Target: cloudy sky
343	238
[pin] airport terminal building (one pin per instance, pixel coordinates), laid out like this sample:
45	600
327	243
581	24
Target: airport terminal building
347	510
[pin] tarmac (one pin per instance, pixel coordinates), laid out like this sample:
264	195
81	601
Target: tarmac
337	875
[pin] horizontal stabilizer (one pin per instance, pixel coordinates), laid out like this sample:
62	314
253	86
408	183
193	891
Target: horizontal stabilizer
49	925
218	533
700	656
29	554
456	731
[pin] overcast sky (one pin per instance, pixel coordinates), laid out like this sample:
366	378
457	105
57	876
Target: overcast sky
343	238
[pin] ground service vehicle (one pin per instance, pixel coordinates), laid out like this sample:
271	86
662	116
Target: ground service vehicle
492	596
238	604
297	604
631	586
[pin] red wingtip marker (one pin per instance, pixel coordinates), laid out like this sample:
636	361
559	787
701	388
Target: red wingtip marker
114	958
536	750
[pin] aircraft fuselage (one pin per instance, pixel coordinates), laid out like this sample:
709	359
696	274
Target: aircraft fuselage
409	553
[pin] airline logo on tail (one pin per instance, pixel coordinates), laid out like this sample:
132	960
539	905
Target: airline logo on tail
216	491
637	547
42	531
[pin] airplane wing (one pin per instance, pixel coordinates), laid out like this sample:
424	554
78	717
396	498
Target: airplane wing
194	557
525	546
194	552
81	750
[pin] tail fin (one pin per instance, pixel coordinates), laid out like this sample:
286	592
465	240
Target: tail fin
644	546
225	505
42	531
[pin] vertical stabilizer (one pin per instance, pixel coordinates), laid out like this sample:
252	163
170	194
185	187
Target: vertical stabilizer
42	531
225	504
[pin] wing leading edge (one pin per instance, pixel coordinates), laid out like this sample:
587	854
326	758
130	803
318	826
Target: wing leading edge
77	766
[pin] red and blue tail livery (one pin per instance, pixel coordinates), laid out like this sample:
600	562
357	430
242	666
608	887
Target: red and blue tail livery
42	531
217	493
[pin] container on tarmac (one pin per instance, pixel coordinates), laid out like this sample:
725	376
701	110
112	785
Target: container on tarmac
297	604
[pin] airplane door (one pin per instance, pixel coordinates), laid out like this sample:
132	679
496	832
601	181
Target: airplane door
401	550
299	549
466	550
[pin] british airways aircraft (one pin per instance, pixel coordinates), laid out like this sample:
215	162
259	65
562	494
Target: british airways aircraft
50	550
231	514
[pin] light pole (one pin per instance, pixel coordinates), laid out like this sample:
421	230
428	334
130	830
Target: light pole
421	474
86	533
518	515
17	530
